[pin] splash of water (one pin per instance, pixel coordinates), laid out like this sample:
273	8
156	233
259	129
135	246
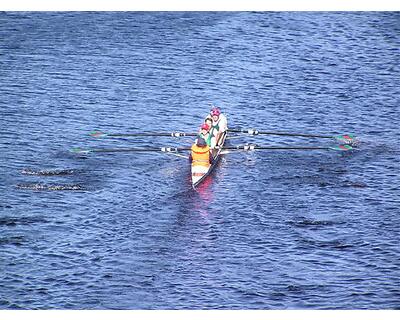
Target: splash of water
44	172
50	187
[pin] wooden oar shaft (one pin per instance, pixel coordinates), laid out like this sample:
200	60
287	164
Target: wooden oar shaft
296	134
253	132
153	134
124	150
253	147
248	147
98	134
277	133
161	149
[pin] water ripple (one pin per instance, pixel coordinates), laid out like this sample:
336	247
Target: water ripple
267	230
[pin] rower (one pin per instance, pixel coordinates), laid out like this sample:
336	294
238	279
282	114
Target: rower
200	153
219	124
208	121
205	133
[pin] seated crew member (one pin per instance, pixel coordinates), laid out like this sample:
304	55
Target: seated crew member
205	133
208	121
211	130
219	124
200	153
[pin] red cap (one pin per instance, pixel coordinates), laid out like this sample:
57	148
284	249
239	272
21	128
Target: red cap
205	126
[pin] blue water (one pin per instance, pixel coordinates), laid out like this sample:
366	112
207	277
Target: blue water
268	230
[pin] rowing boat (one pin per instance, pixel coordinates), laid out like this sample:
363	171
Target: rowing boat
199	172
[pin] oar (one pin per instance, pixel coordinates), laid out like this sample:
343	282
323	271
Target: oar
343	138
161	149
250	147
99	134
247	147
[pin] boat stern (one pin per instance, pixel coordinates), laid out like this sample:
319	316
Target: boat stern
199	173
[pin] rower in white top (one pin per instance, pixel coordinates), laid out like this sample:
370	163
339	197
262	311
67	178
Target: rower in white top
219	125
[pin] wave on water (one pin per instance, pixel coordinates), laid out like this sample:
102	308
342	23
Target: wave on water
306	222
50	187
14	221
51	172
15	240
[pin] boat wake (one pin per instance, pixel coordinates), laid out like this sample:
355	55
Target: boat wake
50	187
355	142
54	172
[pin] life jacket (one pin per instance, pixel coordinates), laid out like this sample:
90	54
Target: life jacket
200	156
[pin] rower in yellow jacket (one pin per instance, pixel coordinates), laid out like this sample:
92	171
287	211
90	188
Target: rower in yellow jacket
200	153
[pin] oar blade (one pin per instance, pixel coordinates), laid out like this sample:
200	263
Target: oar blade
98	134
344	147
345	138
80	150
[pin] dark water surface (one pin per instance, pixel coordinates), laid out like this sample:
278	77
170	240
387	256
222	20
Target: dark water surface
269	230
